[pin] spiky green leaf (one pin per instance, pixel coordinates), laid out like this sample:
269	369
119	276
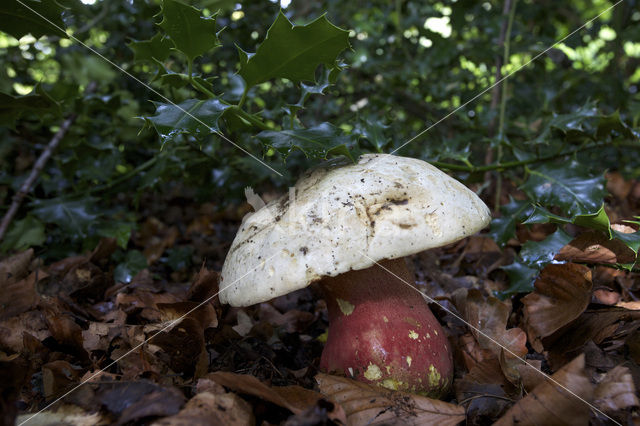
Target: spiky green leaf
294	52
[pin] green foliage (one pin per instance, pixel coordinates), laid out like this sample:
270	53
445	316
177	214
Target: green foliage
190	32
294	52
25	233
195	117
327	79
567	186
319	141
36	17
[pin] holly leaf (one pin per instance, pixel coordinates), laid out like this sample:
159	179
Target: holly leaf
195	117
540	253
294	52
37	17
521	276
598	220
568	186
158	48
23	234
504	228
321	141
192	33
13	107
133	263
613	125
575	123
72	216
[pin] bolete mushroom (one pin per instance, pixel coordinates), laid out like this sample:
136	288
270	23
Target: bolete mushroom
349	228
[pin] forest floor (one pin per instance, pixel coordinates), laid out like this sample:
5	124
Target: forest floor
70	322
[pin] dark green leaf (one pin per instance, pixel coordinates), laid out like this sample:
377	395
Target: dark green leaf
504	228
121	231
320	141
521	277
195	117
73	217
157	48
598	220
566	185
191	32
37	17
575	122
13	107
294	52
23	234
133	263
538	254
612	124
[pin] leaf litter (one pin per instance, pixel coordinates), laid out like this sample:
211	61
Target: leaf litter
78	320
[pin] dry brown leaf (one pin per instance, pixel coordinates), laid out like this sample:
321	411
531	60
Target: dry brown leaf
212	409
205	286
57	377
13	329
593	324
616	391
21	296
65	415
562	293
294	398
550	404
155	237
531	374
14	268
366	404
205	314
490	316
595	247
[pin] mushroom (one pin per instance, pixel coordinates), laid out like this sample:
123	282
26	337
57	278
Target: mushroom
349	228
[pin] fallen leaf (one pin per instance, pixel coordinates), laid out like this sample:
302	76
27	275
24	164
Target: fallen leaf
130	401
489	317
13	329
593	324
207	409
205	286
616	391
294	398
366	404
65	415
21	296
485	392
548	403
562	292
595	247
58	377
15	267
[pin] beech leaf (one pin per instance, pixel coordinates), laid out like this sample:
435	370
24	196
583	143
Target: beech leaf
550	404
366	404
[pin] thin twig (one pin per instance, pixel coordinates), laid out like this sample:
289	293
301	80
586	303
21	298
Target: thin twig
37	169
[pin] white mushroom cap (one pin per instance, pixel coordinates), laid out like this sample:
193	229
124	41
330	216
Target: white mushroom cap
343	219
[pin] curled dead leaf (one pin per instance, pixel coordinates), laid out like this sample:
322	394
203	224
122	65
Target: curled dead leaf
616	391
562	293
366	404
596	247
206	409
294	398
549	403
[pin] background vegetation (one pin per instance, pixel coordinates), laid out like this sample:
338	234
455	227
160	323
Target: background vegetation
384	75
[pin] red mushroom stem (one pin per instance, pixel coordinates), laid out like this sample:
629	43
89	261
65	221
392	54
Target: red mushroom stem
382	331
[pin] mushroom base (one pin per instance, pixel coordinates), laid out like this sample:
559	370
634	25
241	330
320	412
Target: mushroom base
382	331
